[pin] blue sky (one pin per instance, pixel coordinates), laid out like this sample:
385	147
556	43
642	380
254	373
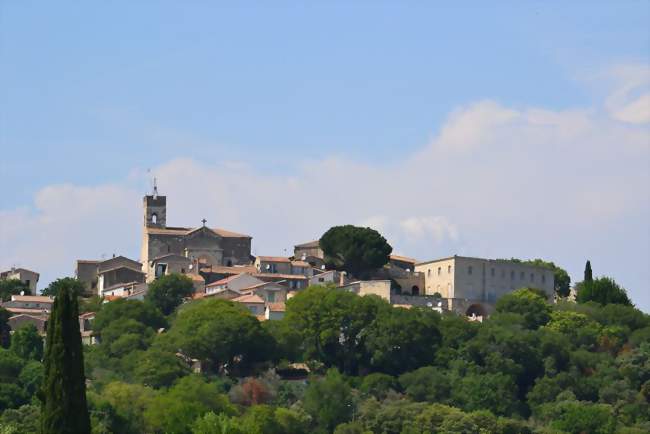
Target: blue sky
222	100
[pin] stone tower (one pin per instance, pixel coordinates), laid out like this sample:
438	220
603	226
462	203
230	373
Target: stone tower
155	210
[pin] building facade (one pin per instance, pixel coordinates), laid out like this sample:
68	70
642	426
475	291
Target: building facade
28	277
203	246
473	285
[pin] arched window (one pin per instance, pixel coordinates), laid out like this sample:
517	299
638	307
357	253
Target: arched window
415	290
154	218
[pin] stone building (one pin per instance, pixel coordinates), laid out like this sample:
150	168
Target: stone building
204	247
100	276
473	285
28	277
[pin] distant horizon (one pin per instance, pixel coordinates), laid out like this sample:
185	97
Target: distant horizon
503	131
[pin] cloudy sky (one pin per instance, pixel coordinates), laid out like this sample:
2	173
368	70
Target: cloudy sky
518	130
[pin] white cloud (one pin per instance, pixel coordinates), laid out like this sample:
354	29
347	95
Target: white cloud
630	101
496	181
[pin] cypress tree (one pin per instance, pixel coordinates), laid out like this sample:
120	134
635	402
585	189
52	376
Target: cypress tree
64	409
588	276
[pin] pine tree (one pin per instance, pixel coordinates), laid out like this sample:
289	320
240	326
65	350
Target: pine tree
64	408
588	276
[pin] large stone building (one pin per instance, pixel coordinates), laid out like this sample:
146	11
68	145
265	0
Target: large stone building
203	247
473	285
101	276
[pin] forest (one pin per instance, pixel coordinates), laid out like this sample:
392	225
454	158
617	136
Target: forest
344	364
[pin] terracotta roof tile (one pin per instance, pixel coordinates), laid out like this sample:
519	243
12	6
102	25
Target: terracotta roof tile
277	307
32	298
273	259
249	298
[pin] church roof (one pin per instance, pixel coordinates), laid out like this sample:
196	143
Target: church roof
185	231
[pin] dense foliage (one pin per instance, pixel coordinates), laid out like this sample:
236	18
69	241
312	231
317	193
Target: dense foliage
9	287
354	249
532	367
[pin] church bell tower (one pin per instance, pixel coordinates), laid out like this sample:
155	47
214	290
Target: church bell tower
155	209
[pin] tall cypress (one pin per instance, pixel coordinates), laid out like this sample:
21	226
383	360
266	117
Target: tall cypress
588	276
64	409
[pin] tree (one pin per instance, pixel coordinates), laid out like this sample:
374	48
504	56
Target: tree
122	309
73	285
354	249
333	324
64	407
329	401
588	274
220	333
5	329
27	343
603	290
400	340
426	384
527	303
378	385
157	368
176	409
9	287
168	292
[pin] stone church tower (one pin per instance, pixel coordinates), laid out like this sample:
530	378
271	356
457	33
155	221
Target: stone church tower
168	249
155	210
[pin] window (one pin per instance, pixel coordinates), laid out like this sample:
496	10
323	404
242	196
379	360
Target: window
160	270
183	270
321	279
492	272
439	268
521	275
429	272
448	269
512	275
270	297
543	278
469	270
532	277
154	218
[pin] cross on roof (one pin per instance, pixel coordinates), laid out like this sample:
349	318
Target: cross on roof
204	221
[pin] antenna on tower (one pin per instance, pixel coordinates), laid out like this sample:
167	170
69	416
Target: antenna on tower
155	188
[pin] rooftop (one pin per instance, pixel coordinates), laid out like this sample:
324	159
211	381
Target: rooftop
310	244
32	298
184	231
273	259
249	298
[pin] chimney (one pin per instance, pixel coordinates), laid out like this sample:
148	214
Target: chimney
342	279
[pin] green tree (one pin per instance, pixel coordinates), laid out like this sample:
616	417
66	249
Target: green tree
355	249
191	397
27	343
157	368
11	394
526	302
378	385
428	383
9	287
122	309
5	329
333	324
603	290
220	333
71	284
213	423
168	292
64	407
401	340
329	401
129	402
588	273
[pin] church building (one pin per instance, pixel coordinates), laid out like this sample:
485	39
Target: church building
180	249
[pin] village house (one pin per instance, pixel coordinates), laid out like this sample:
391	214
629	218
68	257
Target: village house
99	276
28	277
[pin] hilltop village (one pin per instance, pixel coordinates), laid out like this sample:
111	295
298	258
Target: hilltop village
220	265
198	336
